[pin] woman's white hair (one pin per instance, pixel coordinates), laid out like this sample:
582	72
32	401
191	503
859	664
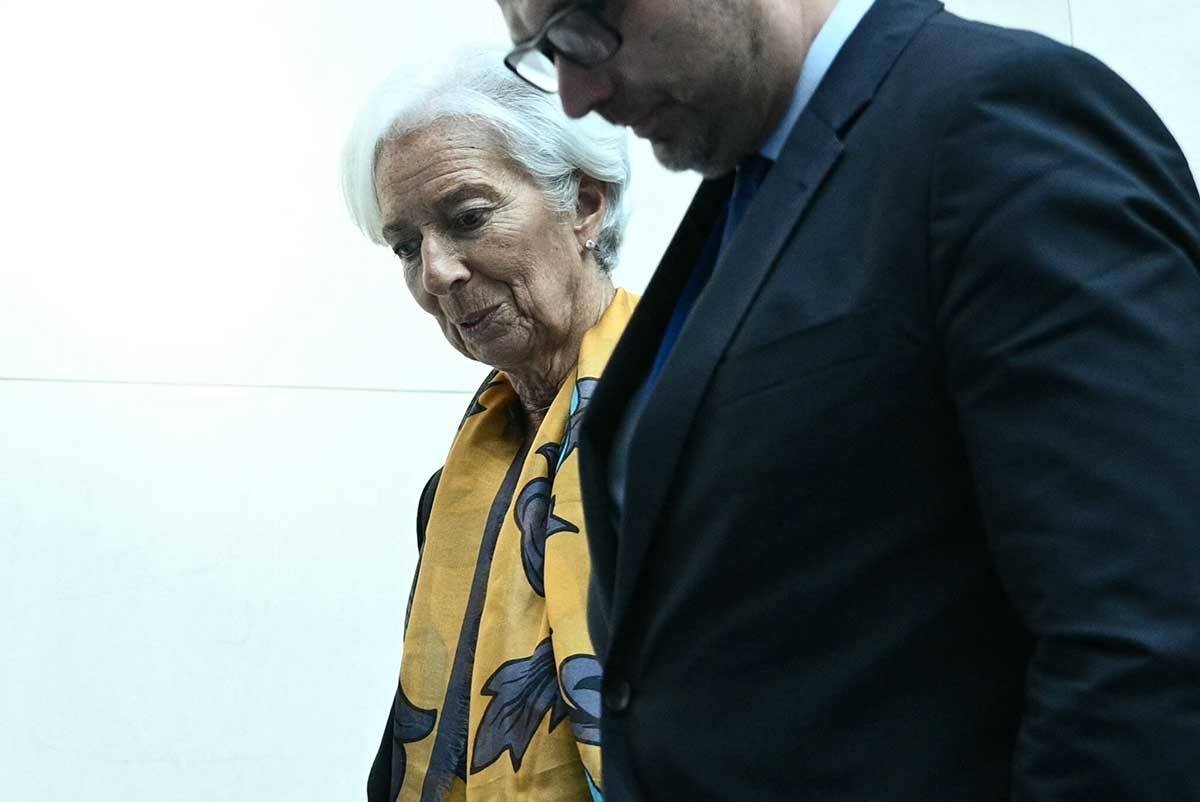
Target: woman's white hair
533	131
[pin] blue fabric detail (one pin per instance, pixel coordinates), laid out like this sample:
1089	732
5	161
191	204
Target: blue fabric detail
596	795
687	298
750	176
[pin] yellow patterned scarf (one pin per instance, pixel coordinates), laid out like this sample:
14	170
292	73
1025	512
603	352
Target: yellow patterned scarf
499	686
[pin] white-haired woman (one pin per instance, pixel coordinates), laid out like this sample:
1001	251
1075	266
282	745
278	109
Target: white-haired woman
505	217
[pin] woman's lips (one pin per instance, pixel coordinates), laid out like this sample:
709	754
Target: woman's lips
476	320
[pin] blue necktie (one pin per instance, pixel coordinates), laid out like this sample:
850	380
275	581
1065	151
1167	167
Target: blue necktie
749	178
750	175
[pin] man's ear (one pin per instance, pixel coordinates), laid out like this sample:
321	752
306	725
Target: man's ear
591	204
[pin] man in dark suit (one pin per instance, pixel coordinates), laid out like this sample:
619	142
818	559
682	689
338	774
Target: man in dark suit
893	484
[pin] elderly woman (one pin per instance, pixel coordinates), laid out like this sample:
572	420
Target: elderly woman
505	217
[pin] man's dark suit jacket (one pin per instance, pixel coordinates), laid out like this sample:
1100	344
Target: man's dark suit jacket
913	511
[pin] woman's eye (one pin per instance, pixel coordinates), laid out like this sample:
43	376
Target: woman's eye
471	219
407	249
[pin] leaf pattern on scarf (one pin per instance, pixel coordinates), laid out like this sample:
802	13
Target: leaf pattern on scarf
580	398
522	691
581	677
409	725
476	406
534	513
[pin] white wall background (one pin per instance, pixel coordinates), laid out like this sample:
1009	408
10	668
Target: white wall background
217	402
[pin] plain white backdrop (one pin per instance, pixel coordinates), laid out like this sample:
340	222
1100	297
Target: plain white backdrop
218	402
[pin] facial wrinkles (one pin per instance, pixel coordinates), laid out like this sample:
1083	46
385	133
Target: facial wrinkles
521	258
413	189
400	187
415	202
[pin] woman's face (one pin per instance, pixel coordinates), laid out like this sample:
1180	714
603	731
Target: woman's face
480	248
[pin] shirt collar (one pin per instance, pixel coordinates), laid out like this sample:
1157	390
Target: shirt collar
824	49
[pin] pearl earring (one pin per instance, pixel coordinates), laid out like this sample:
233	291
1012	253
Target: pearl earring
590	244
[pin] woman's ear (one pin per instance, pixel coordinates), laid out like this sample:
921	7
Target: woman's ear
591	204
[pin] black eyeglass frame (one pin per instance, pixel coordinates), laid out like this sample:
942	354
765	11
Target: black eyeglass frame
540	41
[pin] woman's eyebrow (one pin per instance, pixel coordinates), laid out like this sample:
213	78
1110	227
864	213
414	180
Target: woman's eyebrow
460	193
468	190
393	228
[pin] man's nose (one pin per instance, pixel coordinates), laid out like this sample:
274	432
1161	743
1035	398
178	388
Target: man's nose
442	267
582	89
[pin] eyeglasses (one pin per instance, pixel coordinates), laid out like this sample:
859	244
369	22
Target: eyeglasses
579	33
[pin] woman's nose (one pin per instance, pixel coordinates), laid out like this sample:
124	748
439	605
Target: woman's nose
582	89
441	267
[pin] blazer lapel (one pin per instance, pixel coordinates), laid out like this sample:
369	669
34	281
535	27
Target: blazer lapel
627	369
812	150
670	411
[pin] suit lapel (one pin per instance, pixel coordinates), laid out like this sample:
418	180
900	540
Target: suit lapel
670	411
626	371
812	150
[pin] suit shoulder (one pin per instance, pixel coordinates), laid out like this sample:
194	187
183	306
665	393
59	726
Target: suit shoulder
975	54
963	65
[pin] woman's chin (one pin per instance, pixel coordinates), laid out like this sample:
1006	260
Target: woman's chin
495	353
